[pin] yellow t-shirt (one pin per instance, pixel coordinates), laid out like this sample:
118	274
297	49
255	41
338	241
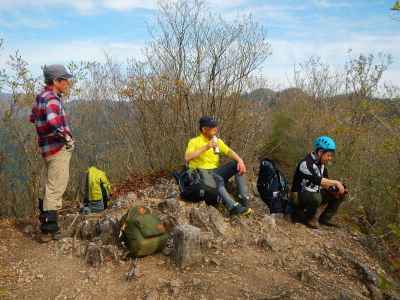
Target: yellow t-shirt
208	159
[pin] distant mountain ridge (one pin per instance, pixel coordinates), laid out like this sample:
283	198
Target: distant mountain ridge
5	97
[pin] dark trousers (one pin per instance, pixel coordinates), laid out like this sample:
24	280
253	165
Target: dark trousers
227	171
308	203
222	175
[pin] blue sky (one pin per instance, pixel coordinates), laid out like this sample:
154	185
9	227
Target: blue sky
58	31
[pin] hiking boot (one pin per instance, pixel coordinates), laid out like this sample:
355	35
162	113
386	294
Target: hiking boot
244	200
240	210
248	211
44	238
313	223
48	237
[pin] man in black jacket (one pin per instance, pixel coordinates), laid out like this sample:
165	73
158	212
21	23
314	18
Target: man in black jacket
317	198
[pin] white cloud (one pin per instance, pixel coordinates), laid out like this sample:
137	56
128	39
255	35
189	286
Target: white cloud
50	53
278	68
331	3
123	5
277	12
286	53
25	21
94	6
82	6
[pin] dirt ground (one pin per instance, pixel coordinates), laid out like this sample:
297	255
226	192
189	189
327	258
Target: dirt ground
254	260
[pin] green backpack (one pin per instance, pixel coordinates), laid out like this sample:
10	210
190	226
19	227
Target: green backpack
142	232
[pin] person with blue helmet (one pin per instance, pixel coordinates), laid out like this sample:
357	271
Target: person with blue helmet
315	196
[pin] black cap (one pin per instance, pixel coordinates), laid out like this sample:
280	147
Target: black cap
207	121
54	72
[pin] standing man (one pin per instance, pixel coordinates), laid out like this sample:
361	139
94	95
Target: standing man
312	189
203	152
55	143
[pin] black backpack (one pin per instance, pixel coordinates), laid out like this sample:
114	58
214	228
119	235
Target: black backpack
196	186
273	186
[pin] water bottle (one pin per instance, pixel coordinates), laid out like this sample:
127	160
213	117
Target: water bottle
216	148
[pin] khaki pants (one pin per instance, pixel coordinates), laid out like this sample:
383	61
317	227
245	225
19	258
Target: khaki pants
57	166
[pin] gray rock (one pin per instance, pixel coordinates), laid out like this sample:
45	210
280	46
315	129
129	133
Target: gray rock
124	201
266	243
107	230
305	276
170	206
186	246
208	219
65	246
152	295
29	229
175	286
199	217
169	221
110	252
169	247
91	276
206	239
269	222
88	229
69	223
367	274
374	292
93	255
344	296
216	221
176	283
173	194
391	297
196	282
215	261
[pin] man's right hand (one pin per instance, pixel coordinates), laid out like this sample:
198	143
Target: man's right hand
341	187
212	144
69	143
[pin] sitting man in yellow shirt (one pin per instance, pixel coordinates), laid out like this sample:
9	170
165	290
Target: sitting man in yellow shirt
203	152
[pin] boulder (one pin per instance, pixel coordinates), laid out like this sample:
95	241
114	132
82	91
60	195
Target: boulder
107	230
216	221
208	219
169	206
186	245
94	255
269	222
199	217
88	229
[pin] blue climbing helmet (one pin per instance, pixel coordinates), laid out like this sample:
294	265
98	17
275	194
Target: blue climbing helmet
325	143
